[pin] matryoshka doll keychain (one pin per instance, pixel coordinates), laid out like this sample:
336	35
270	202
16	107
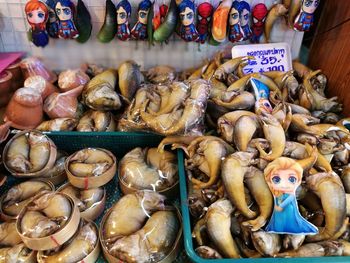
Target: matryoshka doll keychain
283	176
305	18
188	31
139	30
204	15
65	12
235	33
37	15
123	16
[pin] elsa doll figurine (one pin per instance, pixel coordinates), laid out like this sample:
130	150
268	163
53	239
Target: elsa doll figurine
283	176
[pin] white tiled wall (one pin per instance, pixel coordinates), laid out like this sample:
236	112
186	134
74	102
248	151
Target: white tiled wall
60	54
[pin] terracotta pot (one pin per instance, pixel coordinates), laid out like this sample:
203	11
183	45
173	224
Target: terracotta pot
25	109
5	87
33	66
17	80
71	79
44	87
63	105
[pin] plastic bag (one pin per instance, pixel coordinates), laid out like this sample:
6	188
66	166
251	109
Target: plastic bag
33	66
63	105
147	169
96	121
18	253
174	109
44	87
138	228
71	79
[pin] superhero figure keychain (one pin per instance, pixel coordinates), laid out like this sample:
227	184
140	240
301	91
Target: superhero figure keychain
65	12
205	13
123	16
188	31
259	14
139	30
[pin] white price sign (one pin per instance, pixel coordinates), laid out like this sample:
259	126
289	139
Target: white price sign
268	57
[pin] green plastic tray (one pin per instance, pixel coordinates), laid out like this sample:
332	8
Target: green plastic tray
189	241
117	142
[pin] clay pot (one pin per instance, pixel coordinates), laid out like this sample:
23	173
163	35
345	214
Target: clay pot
5	87
33	66
25	109
17	79
44	87
71	79
63	105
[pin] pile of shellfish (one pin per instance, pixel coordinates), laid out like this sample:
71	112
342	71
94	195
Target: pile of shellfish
229	200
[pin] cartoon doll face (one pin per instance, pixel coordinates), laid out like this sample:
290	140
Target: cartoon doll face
187	16
264	105
122	15
285	181
63	12
36	16
309	6
244	17
234	16
143	14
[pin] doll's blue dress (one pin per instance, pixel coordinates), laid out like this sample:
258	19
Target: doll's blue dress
289	220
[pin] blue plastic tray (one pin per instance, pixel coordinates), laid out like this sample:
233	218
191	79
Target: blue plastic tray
117	142
189	241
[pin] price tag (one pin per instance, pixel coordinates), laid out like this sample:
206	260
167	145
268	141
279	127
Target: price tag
268	57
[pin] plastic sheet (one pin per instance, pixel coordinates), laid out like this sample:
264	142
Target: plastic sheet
147	169
29	154
45	215
90	162
84	199
139	229
18	253
71	79
174	109
77	248
96	121
19	196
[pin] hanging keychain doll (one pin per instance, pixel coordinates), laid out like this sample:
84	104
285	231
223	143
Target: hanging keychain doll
123	16
283	176
235	33
65	12
139	30
188	31
305	18
244	13
205	13
52	24
259	14
37	15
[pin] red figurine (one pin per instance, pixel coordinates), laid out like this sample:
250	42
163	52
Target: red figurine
205	12
259	14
